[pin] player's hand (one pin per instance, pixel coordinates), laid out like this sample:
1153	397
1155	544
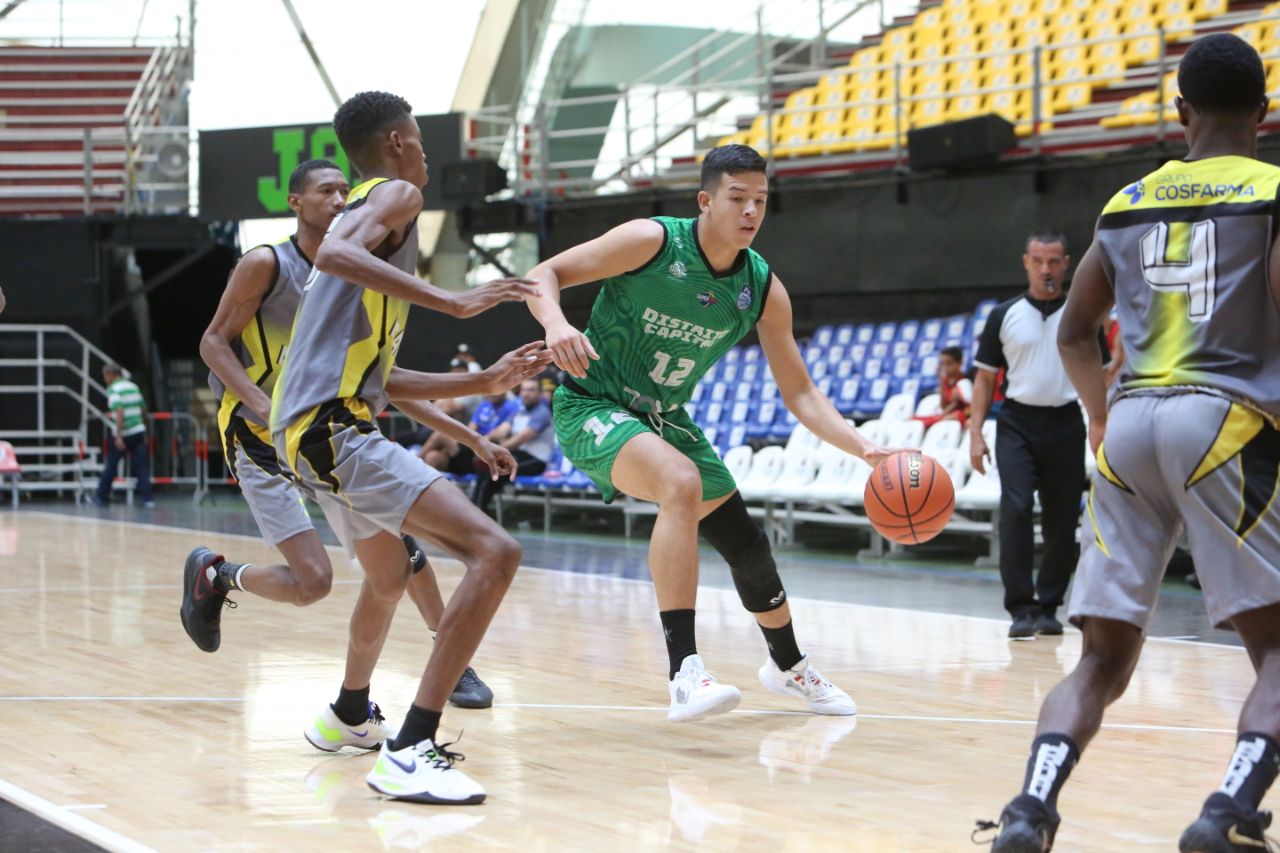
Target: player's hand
573	350
875	454
486	296
119	443
516	366
978	451
500	461
1096	430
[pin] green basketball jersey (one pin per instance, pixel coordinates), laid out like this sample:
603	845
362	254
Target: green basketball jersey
659	328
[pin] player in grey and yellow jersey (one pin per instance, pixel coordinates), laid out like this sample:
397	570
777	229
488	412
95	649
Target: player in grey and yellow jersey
338	374
1190	258
677	294
244	346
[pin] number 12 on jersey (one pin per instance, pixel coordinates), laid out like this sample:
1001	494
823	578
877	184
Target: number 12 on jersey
675	378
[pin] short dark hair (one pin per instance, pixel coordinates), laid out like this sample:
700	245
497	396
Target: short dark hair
730	160
113	368
298	177
1048	236
1222	73
953	352
364	117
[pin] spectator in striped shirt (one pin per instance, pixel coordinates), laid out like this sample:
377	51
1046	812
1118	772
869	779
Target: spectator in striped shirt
125	403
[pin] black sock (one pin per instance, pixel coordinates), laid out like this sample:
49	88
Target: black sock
224	578
1252	769
677	625
782	645
352	706
1052	757
419	724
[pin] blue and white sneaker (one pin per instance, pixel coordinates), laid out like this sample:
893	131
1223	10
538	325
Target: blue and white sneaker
423	773
328	733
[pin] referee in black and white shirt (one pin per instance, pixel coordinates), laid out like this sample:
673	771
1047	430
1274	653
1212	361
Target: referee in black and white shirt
1040	438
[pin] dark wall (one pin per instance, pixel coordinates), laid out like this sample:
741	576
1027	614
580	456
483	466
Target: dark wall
47	270
432	338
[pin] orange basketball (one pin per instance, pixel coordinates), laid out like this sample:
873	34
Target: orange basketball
909	498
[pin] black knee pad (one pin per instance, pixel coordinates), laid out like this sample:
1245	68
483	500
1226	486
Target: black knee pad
746	549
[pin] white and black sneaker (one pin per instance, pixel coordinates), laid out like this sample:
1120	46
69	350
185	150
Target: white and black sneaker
423	773
803	681
695	693
327	732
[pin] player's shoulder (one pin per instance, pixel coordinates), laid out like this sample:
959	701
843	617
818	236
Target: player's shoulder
390	191
262	260
1213	179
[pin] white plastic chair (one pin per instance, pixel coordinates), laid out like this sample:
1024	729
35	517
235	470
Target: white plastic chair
942	436
738	461
874	430
766	467
905	434
928	405
982	491
802	438
899	407
799	471
834	480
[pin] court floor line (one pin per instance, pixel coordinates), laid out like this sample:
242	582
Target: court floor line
566	706
67	819
524	568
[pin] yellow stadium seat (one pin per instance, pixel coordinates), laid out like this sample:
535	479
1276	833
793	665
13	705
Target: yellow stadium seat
1069	97
963	30
1111	71
1031	30
1137	12
964	106
996	44
1016	9
967	85
964	47
1166	9
984	11
868	57
896	38
1014	106
1011	63
839	79
1269	40
966	65
928	112
1132	109
931	50
835	142
1067	19
1204	9
1180	26
1064	57
1107	51
1145	48
996	27
795	112
1252	33
1005	80
930	19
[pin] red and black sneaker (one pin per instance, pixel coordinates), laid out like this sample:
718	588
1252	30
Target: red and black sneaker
1225	827
202	602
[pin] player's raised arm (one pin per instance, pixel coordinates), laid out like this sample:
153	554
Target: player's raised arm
247	287
628	247
1086	310
347	253
803	398
500	461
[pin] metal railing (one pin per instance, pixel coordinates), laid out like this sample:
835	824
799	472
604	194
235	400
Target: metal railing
655	134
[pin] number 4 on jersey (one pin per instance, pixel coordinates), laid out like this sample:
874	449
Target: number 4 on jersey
1193	269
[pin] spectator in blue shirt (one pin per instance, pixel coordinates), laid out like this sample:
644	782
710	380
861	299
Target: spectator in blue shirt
445	454
528	434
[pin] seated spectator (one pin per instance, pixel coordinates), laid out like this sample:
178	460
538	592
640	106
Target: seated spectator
464	355
955	392
529	436
445	454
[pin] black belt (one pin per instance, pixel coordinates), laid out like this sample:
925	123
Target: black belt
575	387
1072	407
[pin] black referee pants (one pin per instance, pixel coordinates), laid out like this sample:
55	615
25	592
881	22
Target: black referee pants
1039	448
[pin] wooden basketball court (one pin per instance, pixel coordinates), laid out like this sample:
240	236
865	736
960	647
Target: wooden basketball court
122	731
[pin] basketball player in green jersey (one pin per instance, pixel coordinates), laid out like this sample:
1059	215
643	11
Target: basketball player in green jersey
338	375
1190	258
677	294
263	293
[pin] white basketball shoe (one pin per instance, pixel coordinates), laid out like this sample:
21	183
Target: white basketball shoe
803	681
423	773
330	734
695	693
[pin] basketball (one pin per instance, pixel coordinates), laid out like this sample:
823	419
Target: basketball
909	498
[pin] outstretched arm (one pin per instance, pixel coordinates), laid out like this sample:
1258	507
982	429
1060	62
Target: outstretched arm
621	250
505	373
810	406
1087	305
347	252
500	461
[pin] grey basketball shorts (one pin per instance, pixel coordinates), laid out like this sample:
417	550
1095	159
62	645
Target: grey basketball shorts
1174	462
364	482
277	504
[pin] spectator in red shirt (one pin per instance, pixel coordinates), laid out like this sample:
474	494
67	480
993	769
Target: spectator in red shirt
955	392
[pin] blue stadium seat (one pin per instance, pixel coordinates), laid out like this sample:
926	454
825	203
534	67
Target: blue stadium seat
733	438
871	398
931	329
729	373
886	331
929	373
762	421
711	415
845	368
718	391
858	352
847	396
744	391
750	372
823	336
908	330
872	368
711	432
985	307
880	349
956	326
926	347
699	391
844	334
835	352
783	424
813	355
865	333
824	385
901	348
903	368
752	353
733	355
769	390
819	369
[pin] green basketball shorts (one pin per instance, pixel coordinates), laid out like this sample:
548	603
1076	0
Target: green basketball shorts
592	431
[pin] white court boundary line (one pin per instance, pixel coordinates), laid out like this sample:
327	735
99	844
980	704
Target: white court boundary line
64	818
750	712
523	568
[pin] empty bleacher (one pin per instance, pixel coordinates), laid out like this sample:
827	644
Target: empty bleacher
1069	72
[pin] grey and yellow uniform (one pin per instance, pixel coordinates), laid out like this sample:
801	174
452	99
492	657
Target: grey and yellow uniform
657	330
275	501
1192	440
333	385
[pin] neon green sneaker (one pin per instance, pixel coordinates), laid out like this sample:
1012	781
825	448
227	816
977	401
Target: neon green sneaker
327	732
